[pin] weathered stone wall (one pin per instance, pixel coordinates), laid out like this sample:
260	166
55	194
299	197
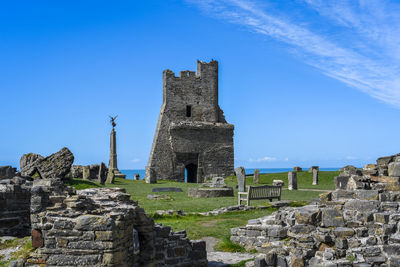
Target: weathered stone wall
356	225
175	249
7	172
102	227
201	138
15	199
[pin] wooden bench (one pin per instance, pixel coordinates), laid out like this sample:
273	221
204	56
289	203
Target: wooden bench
260	192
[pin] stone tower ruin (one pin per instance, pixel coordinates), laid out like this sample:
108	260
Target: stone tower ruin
192	137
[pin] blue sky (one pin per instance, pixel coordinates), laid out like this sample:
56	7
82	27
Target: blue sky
305	82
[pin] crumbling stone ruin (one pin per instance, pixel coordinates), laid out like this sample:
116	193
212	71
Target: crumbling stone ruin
192	133
92	227
95	172
102	227
358	224
7	172
15	198
56	165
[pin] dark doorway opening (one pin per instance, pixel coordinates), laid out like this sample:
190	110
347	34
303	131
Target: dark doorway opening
188	111
191	173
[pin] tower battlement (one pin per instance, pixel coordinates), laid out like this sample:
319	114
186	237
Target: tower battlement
192	96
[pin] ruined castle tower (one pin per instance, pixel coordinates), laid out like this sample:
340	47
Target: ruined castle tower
192	138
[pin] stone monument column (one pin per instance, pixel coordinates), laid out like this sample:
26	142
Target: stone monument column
113	171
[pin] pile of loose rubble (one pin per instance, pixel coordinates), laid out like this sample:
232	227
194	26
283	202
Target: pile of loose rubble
358	224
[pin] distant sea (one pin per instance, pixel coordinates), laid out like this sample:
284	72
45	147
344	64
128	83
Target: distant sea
131	173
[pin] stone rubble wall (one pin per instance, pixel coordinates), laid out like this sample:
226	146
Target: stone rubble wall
7	172
15	198
175	249
358	224
97	227
353	227
92	174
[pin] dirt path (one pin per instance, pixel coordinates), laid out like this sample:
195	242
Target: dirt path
217	258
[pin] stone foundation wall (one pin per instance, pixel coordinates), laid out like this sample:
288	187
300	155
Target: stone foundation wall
355	226
15	198
102	227
350	228
175	249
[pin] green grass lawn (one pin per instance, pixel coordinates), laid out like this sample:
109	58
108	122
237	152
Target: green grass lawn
180	200
215	226
304	179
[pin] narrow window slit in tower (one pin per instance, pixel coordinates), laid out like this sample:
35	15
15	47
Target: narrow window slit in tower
188	111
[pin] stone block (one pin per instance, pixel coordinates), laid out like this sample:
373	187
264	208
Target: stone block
343	232
394	169
308	215
342	194
332	217
37	239
362	205
381	217
341	182
367	194
93	223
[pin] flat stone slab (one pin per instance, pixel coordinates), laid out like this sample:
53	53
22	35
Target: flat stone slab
210	192
167	189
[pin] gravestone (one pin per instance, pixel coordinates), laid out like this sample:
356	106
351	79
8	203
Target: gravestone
241	178
292	180
310	170
151	176
256	176
85	172
137	176
315	177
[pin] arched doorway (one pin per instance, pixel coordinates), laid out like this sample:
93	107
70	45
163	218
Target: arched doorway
191	173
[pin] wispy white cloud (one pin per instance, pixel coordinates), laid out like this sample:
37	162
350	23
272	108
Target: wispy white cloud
135	160
263	159
366	57
351	157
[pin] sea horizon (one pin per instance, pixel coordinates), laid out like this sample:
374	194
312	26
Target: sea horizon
130	173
